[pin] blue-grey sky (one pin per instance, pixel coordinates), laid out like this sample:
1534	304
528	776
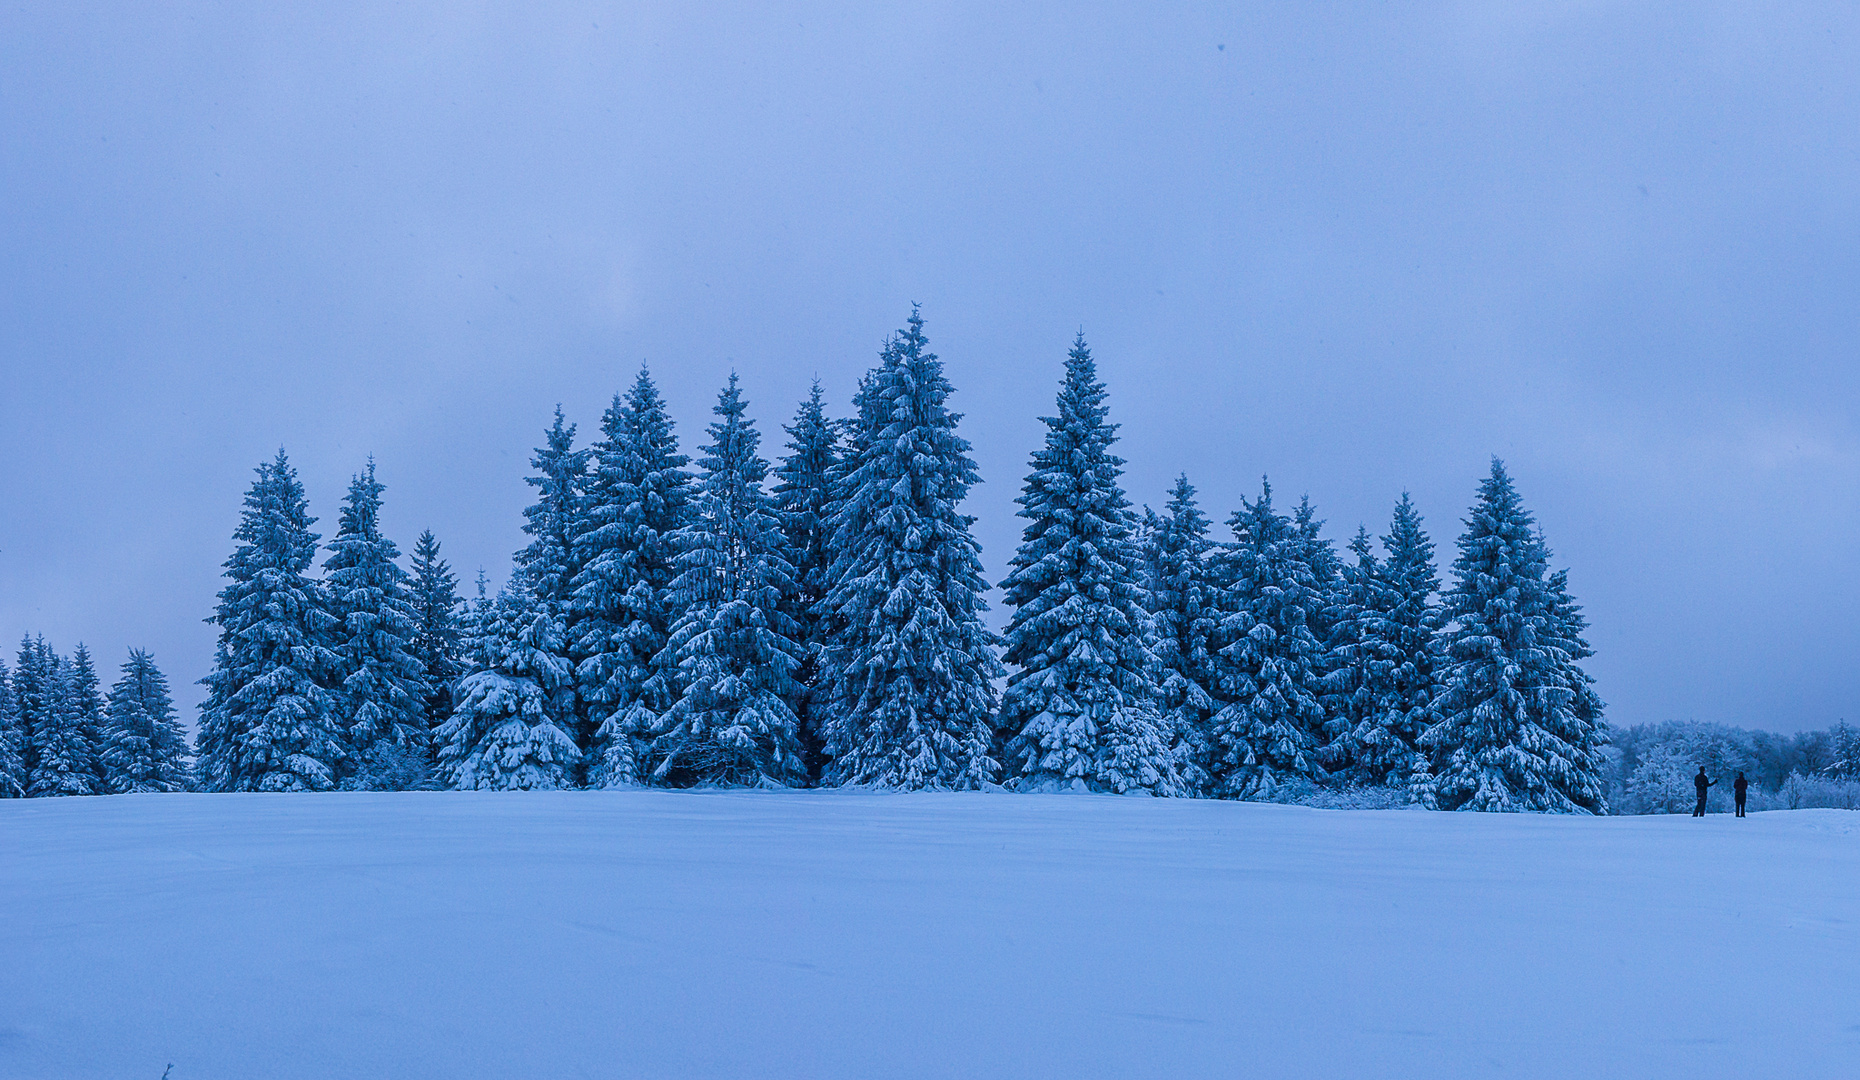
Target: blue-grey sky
1358	247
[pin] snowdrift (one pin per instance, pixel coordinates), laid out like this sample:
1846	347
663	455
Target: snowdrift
816	934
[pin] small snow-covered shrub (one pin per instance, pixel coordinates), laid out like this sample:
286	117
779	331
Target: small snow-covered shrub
1301	792
1811	792
1661	784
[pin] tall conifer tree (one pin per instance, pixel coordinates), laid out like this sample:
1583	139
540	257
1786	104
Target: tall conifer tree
1519	728
272	717
145	749
64	761
548	565
13	774
87	703
30	676
507	729
383	684
438	638
1391	749
1270	670
638	498
804	499
912	664
1081	711
1184	605
1359	665
735	644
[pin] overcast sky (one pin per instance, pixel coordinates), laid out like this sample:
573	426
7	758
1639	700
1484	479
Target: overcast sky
1360	248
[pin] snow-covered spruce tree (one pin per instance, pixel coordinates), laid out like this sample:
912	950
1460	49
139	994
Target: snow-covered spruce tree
87	702
272	717
383	684
30	676
13	775
1359	662
64	761
548	565
437	638
637	499
144	746
1519	728
910	664
1184	609
1081	710
506	729
1843	752
804	499
734	643
1390	752
1268	676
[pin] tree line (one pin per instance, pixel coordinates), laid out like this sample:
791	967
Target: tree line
819	621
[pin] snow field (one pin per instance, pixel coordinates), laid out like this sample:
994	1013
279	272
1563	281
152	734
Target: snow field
835	934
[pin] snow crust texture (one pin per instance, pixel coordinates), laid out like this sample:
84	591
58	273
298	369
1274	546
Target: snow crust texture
840	934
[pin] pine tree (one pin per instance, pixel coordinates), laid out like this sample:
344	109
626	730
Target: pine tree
911	663
548	565
87	704
13	774
735	643
383	684
30	678
506	730
272	717
437	641
1359	662
638	498
1270	668
145	748
1519	727
1081	711
804	499
1390	751
63	758
1184	607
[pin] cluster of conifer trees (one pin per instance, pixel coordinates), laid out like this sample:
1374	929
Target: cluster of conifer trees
60	736
821	622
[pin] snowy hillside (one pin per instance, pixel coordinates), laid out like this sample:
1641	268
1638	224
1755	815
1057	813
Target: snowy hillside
658	934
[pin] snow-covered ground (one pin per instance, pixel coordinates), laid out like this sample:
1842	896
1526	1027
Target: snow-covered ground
658	934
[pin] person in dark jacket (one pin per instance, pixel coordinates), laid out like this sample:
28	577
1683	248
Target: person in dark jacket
1738	788
1702	784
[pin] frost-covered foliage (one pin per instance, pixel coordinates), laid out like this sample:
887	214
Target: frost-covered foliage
437	641
1520	728
271	720
1843	752
506	729
1800	792
912	663
383	684
1184	608
735	645
1383	656
1342	795
1270	668
804	499
13	774
144	748
548	565
60	754
637	498
1357	661
1081	710
87	703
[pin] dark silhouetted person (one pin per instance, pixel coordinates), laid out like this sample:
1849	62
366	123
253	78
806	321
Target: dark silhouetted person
1738	788
1702	784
